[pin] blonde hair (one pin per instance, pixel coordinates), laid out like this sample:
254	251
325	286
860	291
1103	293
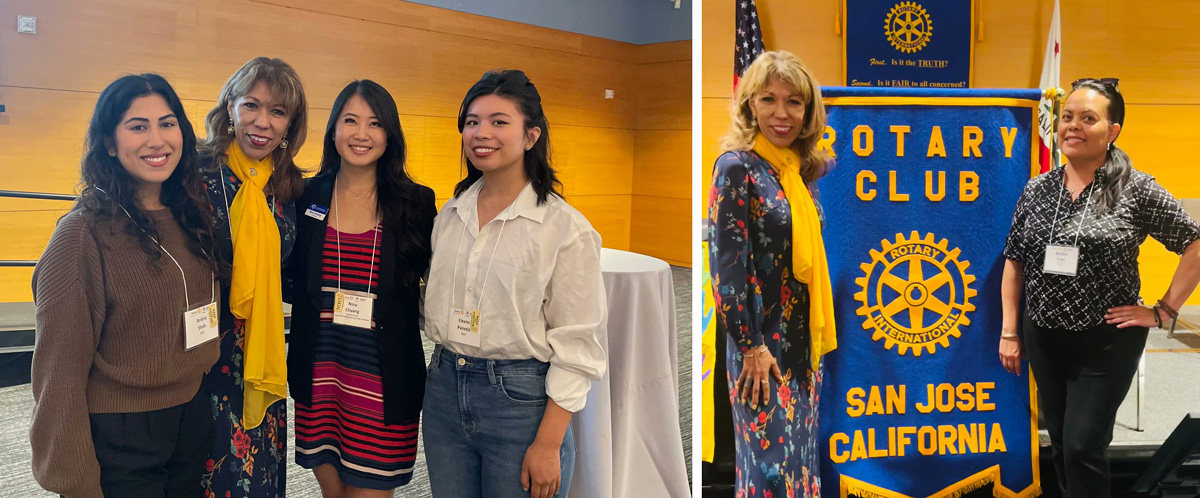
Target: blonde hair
792	72
286	181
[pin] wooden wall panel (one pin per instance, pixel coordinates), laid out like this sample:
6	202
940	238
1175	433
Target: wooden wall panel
40	149
664	101
662	173
716	125
594	161
22	243
1014	41
658	231
429	18
665	52
609	215
716	51
16	283
439	145
663	164
201	42
426	56
1158	138
1150	46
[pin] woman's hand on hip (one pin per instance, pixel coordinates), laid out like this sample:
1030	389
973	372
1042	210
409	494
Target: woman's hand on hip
1131	316
757	367
541	471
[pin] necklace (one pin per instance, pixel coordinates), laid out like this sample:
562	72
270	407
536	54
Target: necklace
356	195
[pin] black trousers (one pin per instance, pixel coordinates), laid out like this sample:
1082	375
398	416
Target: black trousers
1082	378
158	454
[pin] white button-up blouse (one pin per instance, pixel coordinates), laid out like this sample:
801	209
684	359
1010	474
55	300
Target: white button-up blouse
543	296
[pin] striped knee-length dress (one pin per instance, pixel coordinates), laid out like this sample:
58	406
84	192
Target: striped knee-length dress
344	425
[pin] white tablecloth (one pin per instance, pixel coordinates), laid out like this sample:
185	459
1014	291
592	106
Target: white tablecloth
627	437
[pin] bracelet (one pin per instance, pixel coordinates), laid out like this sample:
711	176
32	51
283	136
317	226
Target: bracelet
750	353
1012	337
1157	317
1171	312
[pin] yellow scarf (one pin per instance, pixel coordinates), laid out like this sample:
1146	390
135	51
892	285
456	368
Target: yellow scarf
808	246
256	294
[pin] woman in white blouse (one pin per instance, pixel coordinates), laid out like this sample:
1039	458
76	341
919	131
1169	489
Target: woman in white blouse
514	301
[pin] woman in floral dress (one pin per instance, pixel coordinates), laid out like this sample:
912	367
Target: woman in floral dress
770	278
254	132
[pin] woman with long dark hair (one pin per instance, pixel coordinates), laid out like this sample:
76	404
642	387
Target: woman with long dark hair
254	133
515	298
126	297
1073	251
355	363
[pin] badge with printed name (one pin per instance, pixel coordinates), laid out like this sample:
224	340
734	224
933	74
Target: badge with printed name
354	311
317	212
464	326
1061	260
200	325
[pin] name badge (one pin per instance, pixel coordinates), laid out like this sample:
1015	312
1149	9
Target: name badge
1061	260
464	326
354	311
315	211
200	325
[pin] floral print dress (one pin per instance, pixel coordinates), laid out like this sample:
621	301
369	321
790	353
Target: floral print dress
759	301
242	463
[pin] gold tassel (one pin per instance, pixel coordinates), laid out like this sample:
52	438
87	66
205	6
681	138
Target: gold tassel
978	17
856	489
837	17
863	493
969	487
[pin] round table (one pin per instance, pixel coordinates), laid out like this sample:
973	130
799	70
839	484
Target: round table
627	436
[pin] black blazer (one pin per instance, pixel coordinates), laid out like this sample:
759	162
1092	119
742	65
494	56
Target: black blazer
397	309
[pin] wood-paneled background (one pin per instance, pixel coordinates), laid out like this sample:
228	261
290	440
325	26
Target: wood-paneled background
1151	46
625	163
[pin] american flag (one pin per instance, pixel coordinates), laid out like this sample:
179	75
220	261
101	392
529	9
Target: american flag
748	42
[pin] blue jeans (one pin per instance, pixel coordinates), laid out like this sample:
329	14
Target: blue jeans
480	416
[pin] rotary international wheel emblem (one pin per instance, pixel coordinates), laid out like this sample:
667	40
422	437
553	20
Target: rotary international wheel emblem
908	27
915	294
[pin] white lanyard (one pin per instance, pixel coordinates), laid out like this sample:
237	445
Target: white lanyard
186	301
338	235
1082	216
492	258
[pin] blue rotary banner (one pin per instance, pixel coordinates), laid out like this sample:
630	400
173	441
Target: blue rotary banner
916	402
918	44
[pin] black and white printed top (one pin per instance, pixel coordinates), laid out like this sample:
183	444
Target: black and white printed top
1108	244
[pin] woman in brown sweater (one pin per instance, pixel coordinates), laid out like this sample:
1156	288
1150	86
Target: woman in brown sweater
125	296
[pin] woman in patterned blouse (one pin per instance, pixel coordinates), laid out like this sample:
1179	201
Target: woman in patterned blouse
769	274
1073	250
254	133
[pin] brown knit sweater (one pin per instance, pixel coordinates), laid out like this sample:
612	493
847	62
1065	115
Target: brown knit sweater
110	339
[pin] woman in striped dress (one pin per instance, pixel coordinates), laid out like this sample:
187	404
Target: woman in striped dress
362	248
